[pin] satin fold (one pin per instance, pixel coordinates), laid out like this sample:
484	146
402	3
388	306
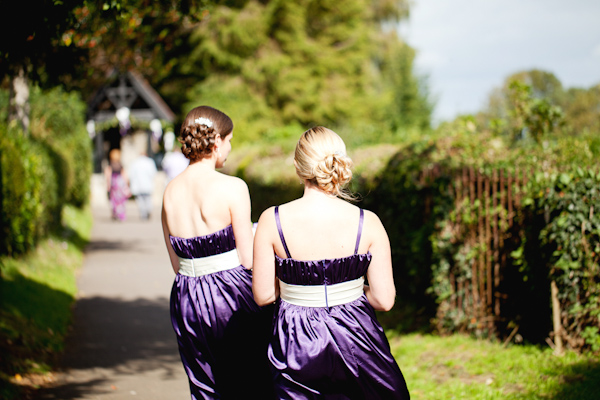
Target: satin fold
337	352
222	334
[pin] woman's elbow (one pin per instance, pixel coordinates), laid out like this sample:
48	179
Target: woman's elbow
262	300
388	305
383	303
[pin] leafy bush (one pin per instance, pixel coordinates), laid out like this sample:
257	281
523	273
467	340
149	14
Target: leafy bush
415	187
58	121
44	171
566	204
20	210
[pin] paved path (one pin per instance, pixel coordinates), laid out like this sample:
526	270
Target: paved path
122	345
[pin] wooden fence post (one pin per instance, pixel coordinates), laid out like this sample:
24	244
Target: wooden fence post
557	325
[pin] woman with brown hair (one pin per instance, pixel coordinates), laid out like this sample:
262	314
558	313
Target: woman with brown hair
311	255
221	332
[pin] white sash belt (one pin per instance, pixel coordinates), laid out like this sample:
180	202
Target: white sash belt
208	265
322	295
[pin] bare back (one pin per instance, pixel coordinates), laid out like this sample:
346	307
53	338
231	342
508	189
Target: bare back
201	201
318	227
320	231
197	204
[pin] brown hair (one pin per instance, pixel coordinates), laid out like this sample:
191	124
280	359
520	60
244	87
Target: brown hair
197	138
321	160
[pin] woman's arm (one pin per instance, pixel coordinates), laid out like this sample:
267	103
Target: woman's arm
264	282
381	291
107	177
241	221
172	255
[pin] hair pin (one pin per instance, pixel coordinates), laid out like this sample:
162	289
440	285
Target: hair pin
204	121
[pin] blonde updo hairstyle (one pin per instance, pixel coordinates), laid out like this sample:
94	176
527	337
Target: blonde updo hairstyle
321	160
197	138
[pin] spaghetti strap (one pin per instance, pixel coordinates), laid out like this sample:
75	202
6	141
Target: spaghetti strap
360	227
281	232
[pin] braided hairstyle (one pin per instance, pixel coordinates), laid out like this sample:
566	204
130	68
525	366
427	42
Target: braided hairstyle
200	129
321	160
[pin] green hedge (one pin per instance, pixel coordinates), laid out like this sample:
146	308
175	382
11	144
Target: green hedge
19	208
565	205
417	210
43	171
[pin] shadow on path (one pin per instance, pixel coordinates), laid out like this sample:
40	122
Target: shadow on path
121	343
127	337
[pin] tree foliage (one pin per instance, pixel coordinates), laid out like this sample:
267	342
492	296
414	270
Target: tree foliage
531	115
307	62
77	43
582	110
32	32
41	173
149	36
534	103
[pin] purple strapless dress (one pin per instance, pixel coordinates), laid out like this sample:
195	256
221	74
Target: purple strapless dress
336	352
222	333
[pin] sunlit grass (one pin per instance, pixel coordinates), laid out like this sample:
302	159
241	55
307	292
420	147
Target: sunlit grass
36	294
460	367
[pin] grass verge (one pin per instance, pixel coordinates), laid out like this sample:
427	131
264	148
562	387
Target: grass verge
460	367
36	295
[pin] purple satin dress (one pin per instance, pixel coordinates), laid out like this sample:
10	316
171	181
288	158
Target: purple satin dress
337	352
222	333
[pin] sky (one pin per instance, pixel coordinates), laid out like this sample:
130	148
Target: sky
466	48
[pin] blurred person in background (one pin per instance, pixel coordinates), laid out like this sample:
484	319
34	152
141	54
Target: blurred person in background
117	185
142	172
174	161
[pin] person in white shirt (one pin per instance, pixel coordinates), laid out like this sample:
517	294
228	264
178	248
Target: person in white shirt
174	161
142	172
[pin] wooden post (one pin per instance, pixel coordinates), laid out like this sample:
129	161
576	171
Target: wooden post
558	343
509	188
488	245
472	236
500	259
481	240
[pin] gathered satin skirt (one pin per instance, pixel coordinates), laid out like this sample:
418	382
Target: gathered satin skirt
222	335
338	352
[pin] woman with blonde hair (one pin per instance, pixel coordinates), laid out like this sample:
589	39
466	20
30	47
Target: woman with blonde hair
221	332
311	256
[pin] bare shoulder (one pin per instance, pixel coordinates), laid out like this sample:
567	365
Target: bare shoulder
373	225
233	184
372	218
169	189
267	216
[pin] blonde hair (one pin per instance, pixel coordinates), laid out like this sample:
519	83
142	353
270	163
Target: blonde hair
321	160
114	155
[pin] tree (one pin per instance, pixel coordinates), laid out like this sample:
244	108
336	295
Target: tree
531	115
150	36
528	104
582	109
304	62
533	100
77	42
32	31
410	106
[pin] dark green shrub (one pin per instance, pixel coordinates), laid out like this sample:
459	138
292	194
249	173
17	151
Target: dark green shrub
565	206
20	209
44	170
58	121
